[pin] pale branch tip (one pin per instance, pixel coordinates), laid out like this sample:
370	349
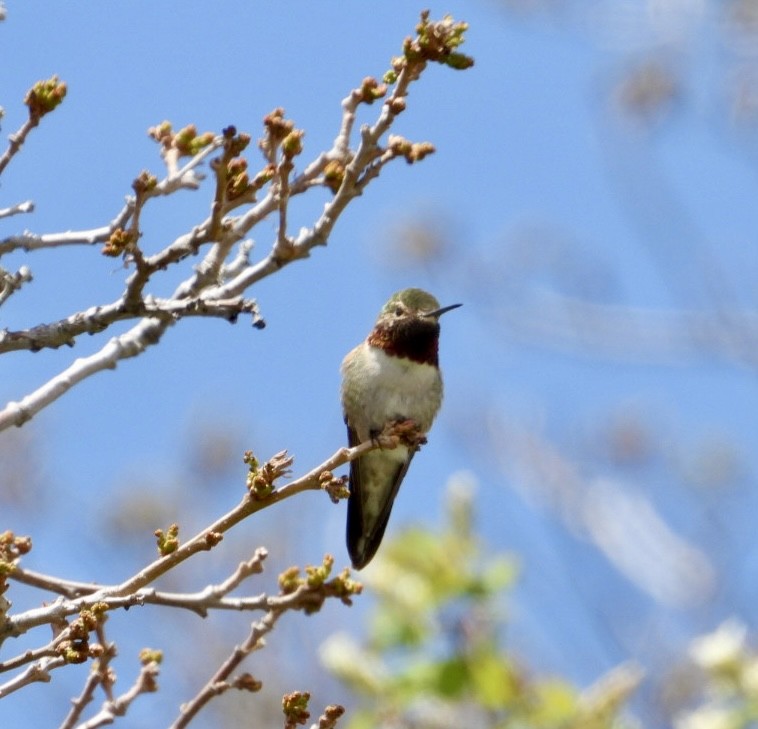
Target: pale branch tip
41	99
19	208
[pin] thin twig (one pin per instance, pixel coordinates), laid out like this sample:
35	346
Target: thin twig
130	344
39	671
100	675
114	708
17	140
18	208
218	683
31	241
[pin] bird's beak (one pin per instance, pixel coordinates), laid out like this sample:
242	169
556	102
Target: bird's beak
439	312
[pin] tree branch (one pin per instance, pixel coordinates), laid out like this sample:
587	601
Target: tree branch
18	208
114	708
17	140
130	344
207	292
31	241
100	675
130	591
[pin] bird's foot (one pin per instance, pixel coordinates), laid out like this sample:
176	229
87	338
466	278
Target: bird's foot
408	432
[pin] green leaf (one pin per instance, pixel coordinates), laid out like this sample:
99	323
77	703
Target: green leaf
556	703
494	681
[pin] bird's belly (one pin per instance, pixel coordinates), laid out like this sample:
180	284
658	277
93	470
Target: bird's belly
398	388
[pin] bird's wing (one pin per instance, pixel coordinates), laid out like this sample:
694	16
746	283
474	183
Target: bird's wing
365	532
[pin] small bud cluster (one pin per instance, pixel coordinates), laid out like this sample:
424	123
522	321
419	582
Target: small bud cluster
119	242
331	714
295	708
437	41
45	96
280	133
150	658
371	90
408	432
260	479
186	141
247	682
167	541
316	576
237	180
335	486
232	168
76	648
150	655
411	151
212	539
334	174
317	579
144	183
264	176
11	549
235	144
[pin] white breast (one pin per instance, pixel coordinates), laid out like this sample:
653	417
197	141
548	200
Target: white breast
393	387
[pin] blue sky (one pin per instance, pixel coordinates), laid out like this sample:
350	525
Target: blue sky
526	147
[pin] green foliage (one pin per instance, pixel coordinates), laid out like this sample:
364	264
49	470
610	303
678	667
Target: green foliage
434	654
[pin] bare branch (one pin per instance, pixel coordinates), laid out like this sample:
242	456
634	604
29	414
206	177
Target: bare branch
31	241
308	595
206	292
130	344
130	591
67	588
16	141
100	675
112	709
12	282
39	671
23	659
186	177
82	701
23	207
64	332
219	682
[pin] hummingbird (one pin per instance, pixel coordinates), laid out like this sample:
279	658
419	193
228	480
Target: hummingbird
392	376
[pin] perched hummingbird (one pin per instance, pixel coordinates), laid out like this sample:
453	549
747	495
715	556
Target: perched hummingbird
392	376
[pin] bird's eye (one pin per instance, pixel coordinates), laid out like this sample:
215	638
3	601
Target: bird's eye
398	311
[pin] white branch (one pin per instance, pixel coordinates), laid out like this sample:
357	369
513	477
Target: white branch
39	671
114	708
186	176
12	282
23	207
214	289
130	344
31	241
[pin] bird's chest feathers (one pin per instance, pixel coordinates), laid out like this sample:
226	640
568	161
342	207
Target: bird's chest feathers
397	387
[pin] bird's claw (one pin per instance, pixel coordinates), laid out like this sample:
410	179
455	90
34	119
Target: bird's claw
408	432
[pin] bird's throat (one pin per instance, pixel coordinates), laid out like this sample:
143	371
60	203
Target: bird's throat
415	339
